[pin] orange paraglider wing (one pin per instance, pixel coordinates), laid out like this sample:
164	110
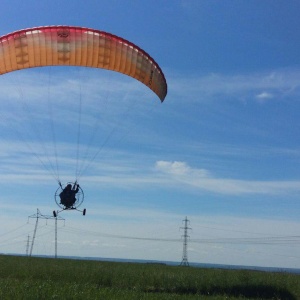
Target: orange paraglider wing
78	46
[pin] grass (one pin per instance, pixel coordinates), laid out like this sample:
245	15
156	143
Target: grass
42	278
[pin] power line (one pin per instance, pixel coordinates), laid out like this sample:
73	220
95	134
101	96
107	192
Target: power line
274	240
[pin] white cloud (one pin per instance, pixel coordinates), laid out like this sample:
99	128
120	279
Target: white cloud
279	83
176	167
264	96
180	173
179	168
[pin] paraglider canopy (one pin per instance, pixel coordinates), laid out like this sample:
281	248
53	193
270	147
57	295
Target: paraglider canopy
78	46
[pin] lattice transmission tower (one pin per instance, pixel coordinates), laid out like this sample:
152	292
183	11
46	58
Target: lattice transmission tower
38	216
185	236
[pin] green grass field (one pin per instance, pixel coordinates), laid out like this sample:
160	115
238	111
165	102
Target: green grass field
43	278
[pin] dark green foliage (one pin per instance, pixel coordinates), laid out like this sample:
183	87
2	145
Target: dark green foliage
41	278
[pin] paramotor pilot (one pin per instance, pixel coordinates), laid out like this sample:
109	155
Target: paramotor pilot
68	195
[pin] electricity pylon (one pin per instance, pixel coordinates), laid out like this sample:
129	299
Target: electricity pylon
38	216
185	236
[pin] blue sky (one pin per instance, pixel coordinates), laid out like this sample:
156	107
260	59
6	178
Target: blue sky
223	148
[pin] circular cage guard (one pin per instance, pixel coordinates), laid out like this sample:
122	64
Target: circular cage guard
79	197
